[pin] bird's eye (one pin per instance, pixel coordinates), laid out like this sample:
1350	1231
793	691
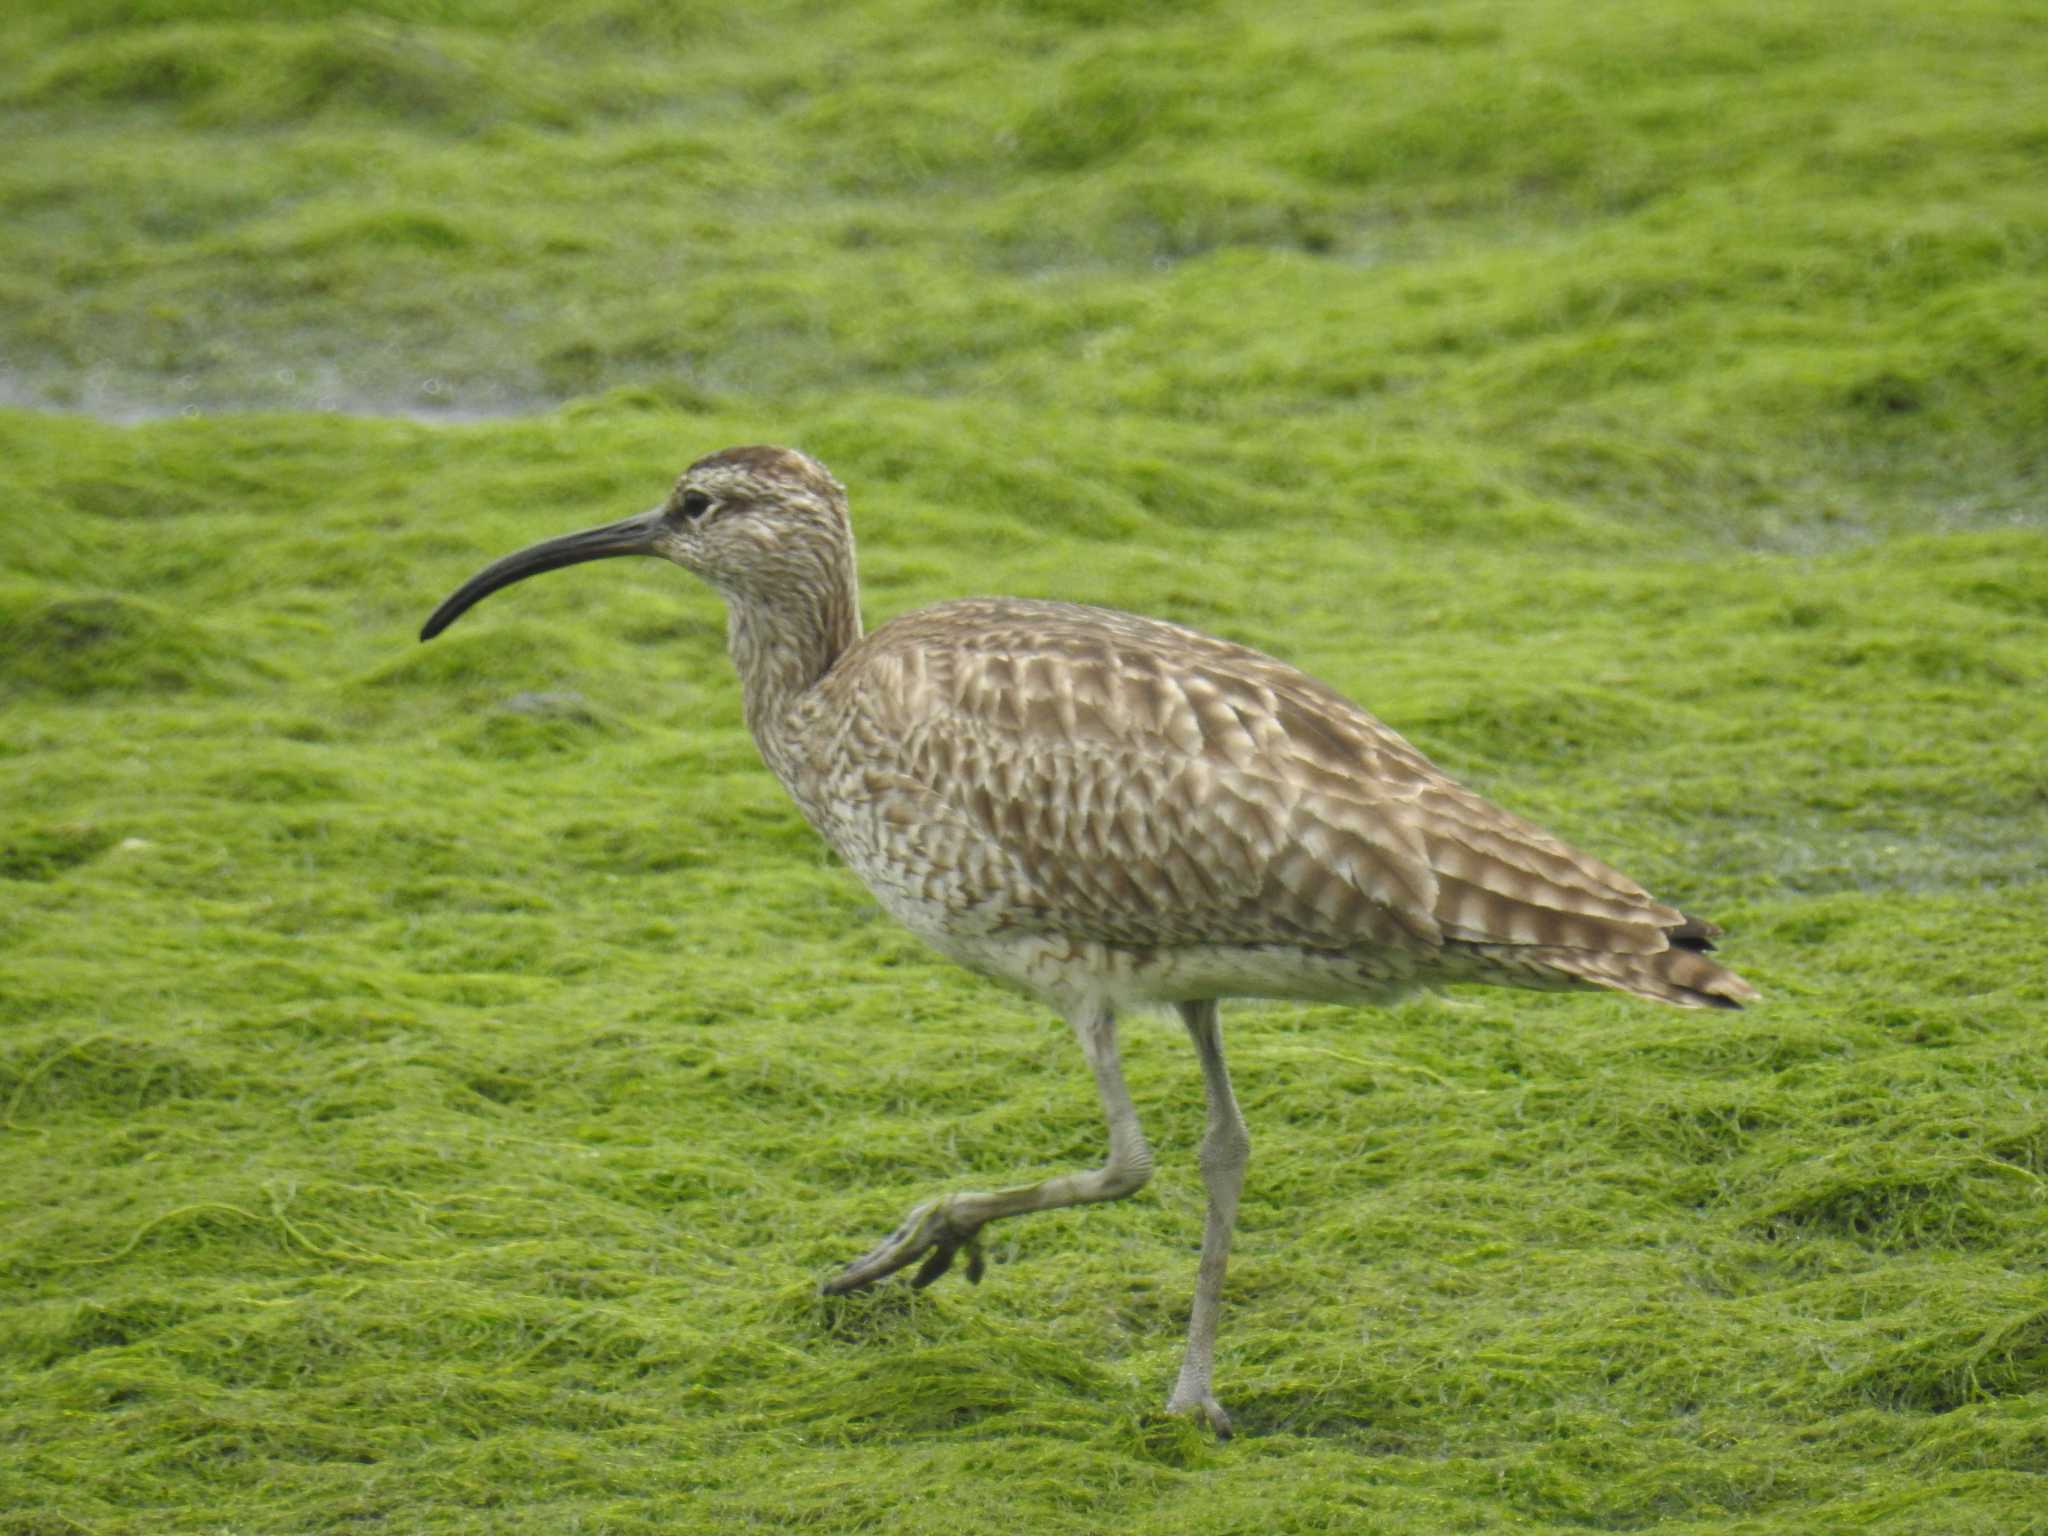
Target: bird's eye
694	505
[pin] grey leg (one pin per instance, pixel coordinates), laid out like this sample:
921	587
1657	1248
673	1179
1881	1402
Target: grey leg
1226	1148
939	1229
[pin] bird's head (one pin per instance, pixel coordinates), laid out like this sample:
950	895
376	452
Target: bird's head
760	524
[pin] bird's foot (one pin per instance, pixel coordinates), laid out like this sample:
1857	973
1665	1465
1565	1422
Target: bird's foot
931	1232
1201	1405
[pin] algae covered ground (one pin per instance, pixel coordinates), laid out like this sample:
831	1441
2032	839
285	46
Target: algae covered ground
433	1079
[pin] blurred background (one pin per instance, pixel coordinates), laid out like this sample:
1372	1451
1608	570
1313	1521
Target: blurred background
1753	266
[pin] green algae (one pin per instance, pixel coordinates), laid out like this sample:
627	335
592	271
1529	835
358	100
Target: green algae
433	1079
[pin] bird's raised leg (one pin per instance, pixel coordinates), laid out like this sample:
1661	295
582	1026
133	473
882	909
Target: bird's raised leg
1226	1148
939	1229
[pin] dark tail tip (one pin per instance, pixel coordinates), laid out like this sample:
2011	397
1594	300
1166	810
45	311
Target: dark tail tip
1695	934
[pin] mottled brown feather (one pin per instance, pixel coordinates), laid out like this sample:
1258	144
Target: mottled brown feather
1135	784
1095	805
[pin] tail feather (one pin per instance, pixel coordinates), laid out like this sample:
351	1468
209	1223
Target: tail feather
1679	975
1694	933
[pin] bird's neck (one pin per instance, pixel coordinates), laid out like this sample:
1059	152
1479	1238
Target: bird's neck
782	649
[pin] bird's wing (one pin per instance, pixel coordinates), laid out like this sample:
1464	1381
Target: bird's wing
1113	778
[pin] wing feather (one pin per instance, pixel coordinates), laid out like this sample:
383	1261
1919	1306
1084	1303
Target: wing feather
1118	779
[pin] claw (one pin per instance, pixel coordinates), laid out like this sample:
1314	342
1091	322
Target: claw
940	1259
1203	1407
928	1232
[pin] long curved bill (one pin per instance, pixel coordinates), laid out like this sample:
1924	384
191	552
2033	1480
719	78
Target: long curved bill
628	536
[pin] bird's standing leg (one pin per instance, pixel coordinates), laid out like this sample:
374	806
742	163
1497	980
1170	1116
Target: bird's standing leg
1226	1148
939	1229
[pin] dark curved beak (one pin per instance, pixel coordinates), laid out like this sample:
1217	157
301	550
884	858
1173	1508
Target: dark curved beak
628	536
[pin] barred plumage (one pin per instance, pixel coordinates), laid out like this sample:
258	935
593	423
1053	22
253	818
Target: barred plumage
1103	809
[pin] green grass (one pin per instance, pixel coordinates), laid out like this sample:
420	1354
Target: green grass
434	1079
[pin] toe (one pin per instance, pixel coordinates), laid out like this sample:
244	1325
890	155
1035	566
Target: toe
1202	1406
927	1233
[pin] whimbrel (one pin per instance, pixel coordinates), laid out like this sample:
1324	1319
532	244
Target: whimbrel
1105	810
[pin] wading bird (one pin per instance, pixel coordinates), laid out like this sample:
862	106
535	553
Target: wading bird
1104	810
